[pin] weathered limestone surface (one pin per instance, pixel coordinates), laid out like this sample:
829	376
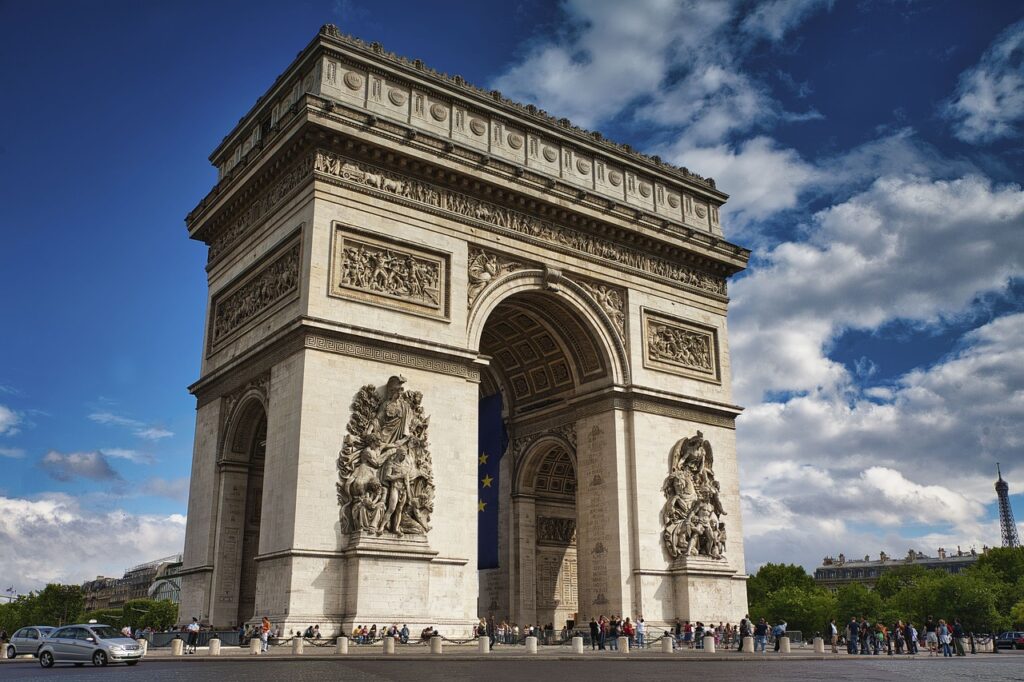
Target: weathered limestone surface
377	224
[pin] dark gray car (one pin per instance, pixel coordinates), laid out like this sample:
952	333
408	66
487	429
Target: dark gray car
27	640
89	643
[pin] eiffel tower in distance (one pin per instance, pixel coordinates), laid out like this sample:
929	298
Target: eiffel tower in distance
1007	526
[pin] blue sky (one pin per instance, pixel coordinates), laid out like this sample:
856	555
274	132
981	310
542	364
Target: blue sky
872	151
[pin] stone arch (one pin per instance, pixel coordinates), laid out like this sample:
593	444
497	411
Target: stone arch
245	412
527	465
568	293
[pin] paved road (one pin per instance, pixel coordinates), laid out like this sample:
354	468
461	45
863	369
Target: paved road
994	668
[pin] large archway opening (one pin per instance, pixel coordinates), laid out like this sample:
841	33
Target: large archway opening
544	355
251	521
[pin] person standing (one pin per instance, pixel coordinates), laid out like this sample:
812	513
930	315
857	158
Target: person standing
744	631
265	635
193	636
779	631
641	632
595	633
958	637
833	635
761	635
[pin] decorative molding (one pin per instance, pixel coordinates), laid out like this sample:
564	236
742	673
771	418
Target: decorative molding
375	269
271	281
692	516
385	473
391	356
680	347
485	267
611	299
260	208
447	202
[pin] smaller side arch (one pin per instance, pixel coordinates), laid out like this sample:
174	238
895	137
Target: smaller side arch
527	464
240	428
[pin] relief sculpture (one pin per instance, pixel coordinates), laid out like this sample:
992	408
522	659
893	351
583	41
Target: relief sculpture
484	268
270	285
384	271
611	301
385	477
556	529
693	512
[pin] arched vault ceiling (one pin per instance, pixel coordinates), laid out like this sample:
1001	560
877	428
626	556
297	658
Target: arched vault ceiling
540	349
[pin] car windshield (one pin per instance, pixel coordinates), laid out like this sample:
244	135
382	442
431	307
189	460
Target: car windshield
107	632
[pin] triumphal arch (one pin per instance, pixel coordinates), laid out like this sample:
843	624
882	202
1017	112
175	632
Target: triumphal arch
461	359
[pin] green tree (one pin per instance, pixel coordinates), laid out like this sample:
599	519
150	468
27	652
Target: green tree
856	600
57	605
104	616
143	613
772	577
1017	614
1005	562
900	578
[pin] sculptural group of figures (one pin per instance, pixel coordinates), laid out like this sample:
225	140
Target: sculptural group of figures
680	345
693	511
387	272
385	478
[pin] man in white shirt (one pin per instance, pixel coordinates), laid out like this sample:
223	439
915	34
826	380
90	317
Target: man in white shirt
641	631
193	635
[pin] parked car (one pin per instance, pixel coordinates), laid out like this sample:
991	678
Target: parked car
81	644
27	640
1010	640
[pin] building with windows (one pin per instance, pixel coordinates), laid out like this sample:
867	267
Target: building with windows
152	580
835	572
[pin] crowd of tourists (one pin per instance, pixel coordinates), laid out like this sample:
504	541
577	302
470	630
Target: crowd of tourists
865	638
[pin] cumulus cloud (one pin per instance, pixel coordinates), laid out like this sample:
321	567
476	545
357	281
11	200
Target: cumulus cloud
923	450
906	248
139	428
74	465
989	101
52	538
9	421
13	453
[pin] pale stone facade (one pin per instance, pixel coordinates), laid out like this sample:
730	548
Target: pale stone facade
374	218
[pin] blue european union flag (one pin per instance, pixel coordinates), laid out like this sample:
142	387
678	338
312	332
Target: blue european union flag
491	441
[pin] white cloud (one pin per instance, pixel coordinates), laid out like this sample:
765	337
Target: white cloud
774	18
139	428
989	100
53	539
906	248
128	454
9	420
73	465
13	453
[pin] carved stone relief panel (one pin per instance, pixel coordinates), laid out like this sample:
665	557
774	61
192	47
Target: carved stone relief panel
692	516
381	271
680	347
556	530
484	268
267	285
611	299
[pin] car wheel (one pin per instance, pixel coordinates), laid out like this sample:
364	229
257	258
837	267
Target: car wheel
131	662
11	651
99	659
46	659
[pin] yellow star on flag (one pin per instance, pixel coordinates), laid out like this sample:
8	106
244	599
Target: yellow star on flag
483	458
487	480
482	505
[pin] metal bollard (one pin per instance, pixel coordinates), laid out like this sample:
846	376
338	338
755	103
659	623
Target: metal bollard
215	646
254	645
144	643
389	644
435	645
709	644
177	647
783	645
531	645
298	645
819	645
577	645
342	647
483	645
666	645
623	645
748	645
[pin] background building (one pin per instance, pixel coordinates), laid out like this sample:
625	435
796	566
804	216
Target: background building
836	572
152	580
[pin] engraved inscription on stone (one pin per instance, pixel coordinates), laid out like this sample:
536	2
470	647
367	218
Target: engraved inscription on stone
385	473
376	270
680	347
256	294
693	511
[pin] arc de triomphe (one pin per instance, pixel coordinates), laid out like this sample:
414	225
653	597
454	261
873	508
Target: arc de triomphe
389	248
